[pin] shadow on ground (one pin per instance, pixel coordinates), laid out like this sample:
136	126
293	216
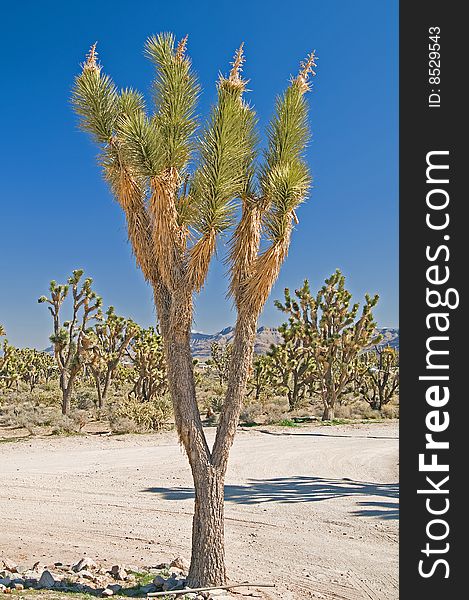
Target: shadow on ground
303	489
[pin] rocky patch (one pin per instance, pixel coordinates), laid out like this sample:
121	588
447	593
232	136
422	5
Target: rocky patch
87	576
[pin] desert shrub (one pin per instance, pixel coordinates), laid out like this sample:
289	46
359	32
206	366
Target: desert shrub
151	415
85	399
252	413
390	411
121	425
276	409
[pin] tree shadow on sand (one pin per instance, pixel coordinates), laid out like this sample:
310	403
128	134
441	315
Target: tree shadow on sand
288	490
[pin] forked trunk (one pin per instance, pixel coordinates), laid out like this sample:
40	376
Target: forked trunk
208	560
208	549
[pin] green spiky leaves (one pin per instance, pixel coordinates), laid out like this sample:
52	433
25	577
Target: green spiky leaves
96	99
180	190
285	177
175	93
226	156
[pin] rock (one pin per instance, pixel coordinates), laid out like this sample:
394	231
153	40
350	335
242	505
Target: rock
5	581
119	573
173	584
107	592
159	582
10	565
7	591
180	563
47	580
114	587
161	566
148	589
84	564
2	587
175	572
18	586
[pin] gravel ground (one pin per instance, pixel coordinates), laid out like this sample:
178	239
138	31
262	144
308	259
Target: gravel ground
313	509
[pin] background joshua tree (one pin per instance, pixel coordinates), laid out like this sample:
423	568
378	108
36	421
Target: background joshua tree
291	363
148	375
260	377
69	339
328	325
179	191
219	362
378	376
110	339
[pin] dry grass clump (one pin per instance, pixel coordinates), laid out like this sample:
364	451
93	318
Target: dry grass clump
129	415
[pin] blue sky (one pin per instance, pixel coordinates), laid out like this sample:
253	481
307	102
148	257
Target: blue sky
57	214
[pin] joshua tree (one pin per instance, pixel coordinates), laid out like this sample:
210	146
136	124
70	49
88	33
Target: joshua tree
2	331
70	339
291	364
260	376
179	191
148	375
110	339
378	376
9	372
328	325
220	357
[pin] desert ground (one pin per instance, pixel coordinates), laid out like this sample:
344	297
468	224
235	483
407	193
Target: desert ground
313	509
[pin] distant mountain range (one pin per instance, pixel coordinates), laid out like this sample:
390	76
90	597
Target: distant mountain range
201	342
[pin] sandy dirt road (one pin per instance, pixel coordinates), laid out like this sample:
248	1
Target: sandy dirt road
313	509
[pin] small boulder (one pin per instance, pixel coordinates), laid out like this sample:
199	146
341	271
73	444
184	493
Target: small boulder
106	593
18	586
47	580
86	575
173	583
10	565
159	582
119	573
115	587
180	563
84	564
2	587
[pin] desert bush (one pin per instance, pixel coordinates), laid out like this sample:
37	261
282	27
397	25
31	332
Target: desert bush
122	425
150	415
391	410
85	399
252	413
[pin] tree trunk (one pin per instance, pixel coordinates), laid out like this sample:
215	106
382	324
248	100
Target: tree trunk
66	399
328	414
207	562
97	383
294	394
103	395
241	360
208	549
